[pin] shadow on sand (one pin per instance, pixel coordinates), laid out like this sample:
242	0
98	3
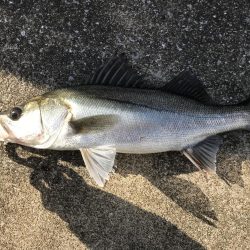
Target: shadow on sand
99	219
166	168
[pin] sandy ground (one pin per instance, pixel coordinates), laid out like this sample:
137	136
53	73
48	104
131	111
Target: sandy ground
48	201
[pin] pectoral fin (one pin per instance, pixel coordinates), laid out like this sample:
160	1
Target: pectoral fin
203	155
94	124
99	162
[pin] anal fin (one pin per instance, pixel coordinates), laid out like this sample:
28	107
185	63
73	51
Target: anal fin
203	155
99	162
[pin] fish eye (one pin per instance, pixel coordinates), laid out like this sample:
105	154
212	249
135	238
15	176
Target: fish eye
15	113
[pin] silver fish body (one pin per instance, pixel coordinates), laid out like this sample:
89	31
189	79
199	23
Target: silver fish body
147	121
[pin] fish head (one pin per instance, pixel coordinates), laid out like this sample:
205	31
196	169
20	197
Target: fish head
34	124
21	124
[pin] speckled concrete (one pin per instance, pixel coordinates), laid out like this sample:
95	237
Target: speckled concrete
47	200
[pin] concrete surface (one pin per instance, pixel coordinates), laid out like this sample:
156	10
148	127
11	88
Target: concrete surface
47	200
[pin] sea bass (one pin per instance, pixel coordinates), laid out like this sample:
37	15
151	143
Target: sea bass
116	113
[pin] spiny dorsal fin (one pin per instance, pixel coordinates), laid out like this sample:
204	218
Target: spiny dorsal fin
99	162
117	72
203	155
188	85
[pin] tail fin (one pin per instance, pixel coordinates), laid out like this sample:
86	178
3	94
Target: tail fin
245	105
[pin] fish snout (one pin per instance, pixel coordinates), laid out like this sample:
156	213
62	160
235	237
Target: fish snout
3	132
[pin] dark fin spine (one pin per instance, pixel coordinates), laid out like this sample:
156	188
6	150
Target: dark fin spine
117	72
103	72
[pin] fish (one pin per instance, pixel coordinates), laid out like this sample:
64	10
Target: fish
115	111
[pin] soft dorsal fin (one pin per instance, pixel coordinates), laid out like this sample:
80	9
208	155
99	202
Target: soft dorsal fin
188	85
117	72
203	155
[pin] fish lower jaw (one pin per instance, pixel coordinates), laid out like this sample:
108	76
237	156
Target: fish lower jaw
3	134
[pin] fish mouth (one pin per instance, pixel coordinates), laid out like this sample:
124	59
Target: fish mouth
5	132
4	135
